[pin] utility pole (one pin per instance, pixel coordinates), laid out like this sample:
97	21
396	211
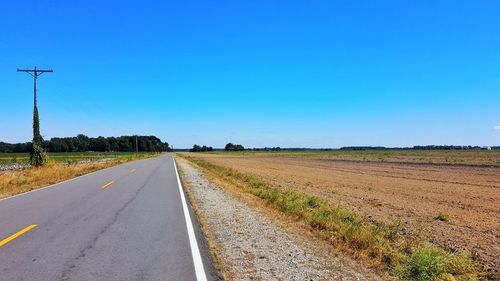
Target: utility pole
37	155
136	146
35	73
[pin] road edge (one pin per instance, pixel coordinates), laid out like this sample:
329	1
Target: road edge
195	250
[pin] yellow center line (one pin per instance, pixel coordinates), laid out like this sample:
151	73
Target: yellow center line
15	235
133	170
108	184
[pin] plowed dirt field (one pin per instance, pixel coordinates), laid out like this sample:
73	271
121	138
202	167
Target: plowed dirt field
468	197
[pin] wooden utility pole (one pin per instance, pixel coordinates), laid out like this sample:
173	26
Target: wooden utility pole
37	154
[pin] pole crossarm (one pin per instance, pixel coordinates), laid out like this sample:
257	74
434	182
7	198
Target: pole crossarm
35	70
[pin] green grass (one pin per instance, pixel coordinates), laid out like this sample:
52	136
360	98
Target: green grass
380	244
69	157
431	263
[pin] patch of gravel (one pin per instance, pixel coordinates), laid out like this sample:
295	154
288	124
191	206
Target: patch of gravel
13	166
251	246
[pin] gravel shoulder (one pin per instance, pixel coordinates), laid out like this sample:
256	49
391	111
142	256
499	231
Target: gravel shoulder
249	244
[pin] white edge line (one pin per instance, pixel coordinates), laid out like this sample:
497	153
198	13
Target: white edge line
68	180
195	251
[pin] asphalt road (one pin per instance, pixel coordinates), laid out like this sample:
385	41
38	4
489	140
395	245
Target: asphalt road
122	223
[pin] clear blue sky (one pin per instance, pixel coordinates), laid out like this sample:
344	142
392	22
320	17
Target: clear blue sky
260	73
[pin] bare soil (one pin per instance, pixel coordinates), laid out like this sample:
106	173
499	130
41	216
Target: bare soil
413	194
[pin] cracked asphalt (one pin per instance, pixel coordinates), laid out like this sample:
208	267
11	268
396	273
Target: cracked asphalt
134	229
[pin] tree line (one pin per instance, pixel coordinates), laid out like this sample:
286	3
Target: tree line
422	147
198	148
234	147
228	147
83	143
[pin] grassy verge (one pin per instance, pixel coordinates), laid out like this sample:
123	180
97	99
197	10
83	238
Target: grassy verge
380	245
19	181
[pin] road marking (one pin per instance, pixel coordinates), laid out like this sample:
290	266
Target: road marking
15	235
108	184
133	170
195	251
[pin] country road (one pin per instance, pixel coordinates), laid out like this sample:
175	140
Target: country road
127	222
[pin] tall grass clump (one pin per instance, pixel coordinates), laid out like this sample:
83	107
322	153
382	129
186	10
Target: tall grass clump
429	262
380	244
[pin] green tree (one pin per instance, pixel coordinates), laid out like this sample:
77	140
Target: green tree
82	142
234	147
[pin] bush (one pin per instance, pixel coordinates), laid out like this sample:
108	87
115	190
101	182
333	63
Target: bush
38	157
428	262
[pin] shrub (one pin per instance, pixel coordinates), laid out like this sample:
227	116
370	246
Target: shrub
428	262
38	157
